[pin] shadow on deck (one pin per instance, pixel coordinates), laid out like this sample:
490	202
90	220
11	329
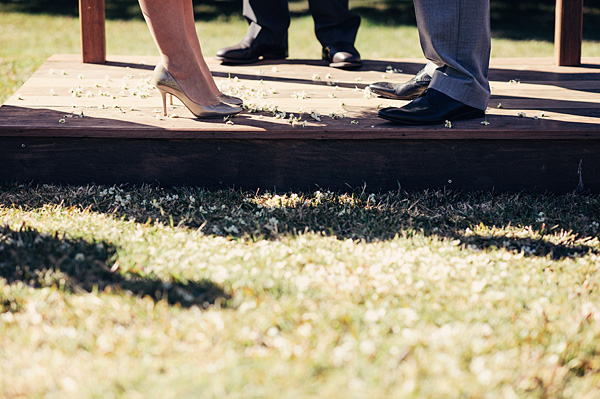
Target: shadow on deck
81	123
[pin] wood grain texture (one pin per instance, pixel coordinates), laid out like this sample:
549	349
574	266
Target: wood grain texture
568	32
557	166
93	35
122	138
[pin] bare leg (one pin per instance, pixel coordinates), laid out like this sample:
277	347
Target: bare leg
190	27
166	20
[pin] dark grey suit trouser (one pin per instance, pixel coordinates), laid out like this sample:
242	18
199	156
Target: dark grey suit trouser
456	39
270	19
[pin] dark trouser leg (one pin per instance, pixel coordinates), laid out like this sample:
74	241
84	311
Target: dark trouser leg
269	21
267	34
455	36
334	22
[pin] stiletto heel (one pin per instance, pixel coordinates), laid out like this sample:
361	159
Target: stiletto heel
164	99
166	84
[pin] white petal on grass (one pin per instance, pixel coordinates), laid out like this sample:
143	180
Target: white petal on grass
367	347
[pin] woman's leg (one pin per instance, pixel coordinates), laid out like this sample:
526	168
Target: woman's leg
166	20
190	27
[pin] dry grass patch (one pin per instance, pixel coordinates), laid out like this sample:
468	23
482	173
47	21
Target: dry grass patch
153	292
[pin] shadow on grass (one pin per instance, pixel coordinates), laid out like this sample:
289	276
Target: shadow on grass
541	225
75	265
560	226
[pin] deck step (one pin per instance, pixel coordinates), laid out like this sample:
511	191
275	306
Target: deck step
82	123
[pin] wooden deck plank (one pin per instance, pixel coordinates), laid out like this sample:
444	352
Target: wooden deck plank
62	74
40	88
124	138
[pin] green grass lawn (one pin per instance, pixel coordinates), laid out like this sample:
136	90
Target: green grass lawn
144	292
148	292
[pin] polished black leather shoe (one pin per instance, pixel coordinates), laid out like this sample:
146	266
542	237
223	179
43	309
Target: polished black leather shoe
430	108
342	55
251	50
403	91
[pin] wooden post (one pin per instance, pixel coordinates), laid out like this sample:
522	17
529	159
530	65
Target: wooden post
93	38
568	32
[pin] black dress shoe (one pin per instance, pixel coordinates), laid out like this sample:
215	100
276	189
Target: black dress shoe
342	55
430	108
403	91
251	50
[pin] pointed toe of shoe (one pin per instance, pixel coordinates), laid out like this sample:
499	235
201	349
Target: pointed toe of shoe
408	90
217	110
251	50
342	56
431	108
231	100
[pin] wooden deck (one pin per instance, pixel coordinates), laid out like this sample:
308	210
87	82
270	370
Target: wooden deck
123	138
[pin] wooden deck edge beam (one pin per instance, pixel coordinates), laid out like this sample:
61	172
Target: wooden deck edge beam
568	33
93	35
471	165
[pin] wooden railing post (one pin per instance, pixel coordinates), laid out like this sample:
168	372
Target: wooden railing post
93	37
568	32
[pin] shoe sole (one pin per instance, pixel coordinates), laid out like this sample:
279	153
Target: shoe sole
346	65
226	60
467	115
386	94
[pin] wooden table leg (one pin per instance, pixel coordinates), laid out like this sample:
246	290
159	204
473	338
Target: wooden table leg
568	32
93	38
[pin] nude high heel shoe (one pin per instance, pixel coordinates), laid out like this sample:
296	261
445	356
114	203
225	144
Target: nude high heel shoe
166	84
224	98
